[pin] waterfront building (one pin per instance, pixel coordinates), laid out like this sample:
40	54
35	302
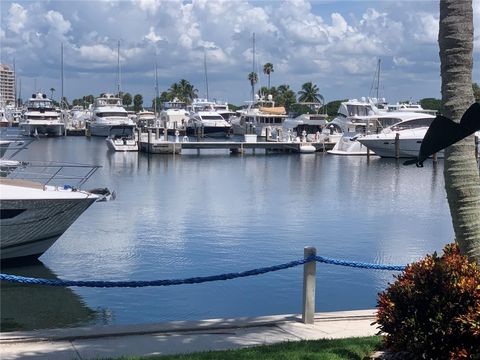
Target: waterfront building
7	84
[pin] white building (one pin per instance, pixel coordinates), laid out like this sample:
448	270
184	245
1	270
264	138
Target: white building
7	84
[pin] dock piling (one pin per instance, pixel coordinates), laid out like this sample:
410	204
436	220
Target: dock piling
397	146
309	279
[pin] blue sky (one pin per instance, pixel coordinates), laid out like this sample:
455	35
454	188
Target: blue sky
334	44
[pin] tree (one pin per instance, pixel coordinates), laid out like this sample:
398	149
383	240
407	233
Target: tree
137	102
52	90
127	99
332	107
462	181
285	96
431	104
253	78
268	69
310	93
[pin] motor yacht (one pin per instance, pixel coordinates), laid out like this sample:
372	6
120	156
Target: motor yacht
146	118
174	115
122	138
204	118
403	139
261	117
107	111
41	118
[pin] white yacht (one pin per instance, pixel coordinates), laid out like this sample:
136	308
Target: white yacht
41	118
122	138
174	115
402	139
34	216
146	118
223	109
203	116
260	116
107	111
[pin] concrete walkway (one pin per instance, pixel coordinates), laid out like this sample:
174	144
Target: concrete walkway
180	336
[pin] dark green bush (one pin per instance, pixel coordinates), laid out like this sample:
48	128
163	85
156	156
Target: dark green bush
432	310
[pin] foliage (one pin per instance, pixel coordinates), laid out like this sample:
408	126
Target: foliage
310	93
268	69
332	107
431	104
476	91
432	310
137	102
253	78
285	97
338	349
127	99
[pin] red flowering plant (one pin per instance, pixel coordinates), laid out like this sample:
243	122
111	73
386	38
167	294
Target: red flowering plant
432	310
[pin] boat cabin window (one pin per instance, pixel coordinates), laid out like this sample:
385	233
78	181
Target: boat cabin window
42	117
212	117
359	110
413	124
39	105
109	114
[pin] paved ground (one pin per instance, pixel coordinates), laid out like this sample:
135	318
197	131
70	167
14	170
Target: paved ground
180	336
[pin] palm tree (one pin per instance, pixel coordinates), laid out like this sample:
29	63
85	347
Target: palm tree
462	181
285	96
309	93
253	78
268	69
52	90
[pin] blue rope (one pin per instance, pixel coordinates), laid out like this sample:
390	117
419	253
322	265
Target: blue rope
193	280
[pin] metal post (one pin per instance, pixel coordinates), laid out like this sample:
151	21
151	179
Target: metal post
309	272
397	145
149	139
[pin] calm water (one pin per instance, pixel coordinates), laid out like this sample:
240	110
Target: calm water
191	215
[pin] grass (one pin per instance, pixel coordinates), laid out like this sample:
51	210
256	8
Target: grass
341	349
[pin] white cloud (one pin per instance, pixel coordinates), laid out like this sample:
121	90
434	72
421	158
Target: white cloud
97	53
401	61
57	22
151	36
427	31
17	18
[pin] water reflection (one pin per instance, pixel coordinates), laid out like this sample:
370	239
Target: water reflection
27	307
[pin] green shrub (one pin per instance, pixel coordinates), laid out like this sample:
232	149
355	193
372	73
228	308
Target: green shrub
432	310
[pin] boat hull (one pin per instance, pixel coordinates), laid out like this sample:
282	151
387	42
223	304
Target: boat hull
29	227
32	129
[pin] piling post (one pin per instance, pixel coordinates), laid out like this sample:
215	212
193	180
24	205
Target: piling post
149	139
476	147
165	134
397	145
309	274
157	133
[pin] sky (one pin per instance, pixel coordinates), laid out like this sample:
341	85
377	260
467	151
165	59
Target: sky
333	44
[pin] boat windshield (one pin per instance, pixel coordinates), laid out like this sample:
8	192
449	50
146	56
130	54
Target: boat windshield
359	110
112	114
413	124
212	117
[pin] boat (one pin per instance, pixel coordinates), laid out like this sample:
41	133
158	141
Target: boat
122	138
35	213
146	118
409	107
402	139
107	111
41	118
205	119
260	116
174	115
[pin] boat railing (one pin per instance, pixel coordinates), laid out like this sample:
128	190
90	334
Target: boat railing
54	173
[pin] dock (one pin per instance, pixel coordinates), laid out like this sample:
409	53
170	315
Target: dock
169	147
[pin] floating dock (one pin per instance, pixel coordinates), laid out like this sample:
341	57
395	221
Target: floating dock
168	147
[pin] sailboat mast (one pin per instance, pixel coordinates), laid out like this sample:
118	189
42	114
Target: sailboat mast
253	68
378	79
15	85
118	68
61	95
156	90
205	69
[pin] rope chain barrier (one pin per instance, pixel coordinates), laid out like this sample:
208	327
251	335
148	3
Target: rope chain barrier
198	279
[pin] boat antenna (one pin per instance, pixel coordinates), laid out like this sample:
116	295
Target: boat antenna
205	69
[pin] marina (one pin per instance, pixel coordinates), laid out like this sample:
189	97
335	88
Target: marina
191	215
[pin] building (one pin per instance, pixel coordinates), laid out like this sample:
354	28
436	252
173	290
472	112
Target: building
7	84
